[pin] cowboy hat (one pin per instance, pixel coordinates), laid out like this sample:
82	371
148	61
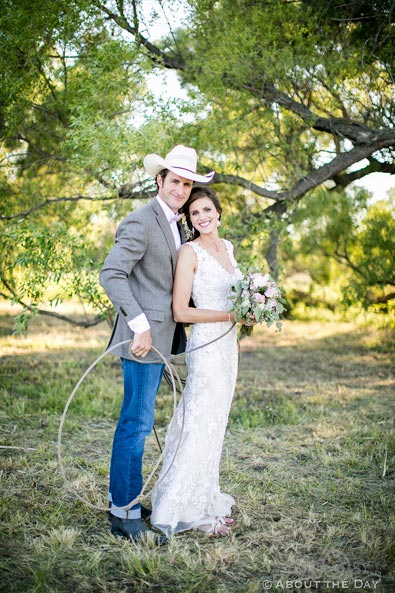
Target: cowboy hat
182	160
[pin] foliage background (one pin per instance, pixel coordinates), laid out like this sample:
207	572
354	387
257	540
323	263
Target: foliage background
290	102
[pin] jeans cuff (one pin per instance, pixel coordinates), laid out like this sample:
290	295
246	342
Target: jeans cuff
122	514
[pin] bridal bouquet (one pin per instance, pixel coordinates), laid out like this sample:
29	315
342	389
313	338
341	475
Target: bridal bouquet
256	298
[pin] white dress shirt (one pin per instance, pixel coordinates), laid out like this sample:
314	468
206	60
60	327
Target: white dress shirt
140	323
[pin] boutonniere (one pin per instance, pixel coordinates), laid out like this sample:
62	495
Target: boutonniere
189	233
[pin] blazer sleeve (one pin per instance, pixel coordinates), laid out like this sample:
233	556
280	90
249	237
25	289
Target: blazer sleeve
130	247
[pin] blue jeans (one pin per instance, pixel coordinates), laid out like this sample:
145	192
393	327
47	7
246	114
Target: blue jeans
136	420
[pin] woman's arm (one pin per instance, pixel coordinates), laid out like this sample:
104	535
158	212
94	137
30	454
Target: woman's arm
182	288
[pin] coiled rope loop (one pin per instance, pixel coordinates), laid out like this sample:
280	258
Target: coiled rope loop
174	380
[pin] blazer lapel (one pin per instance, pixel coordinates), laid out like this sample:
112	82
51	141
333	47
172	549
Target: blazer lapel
165	227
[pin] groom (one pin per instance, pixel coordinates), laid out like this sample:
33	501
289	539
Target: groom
137	275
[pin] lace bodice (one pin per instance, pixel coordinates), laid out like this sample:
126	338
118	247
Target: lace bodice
212	282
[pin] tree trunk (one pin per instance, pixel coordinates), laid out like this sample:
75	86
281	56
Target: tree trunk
271	254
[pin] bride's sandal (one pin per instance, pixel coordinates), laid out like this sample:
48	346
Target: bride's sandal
215	528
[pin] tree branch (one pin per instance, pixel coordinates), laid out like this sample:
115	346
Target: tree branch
87	323
157	56
315	177
384	299
343	127
50	201
246	184
61	115
345	259
43	155
374	166
136	195
329	171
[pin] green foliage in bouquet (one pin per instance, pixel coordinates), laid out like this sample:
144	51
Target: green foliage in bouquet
256	298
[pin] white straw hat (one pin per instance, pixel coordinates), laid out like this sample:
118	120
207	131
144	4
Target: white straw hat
182	160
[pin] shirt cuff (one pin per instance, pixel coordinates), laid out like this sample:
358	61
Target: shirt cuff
139	324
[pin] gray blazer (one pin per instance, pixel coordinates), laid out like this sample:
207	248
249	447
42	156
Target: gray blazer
138	277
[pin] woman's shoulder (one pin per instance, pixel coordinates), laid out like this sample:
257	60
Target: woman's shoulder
228	244
187	249
190	245
187	258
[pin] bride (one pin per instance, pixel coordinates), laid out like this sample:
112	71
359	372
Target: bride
187	494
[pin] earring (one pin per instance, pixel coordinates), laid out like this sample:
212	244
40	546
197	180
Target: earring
218	223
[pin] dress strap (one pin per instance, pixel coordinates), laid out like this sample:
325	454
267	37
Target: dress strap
196	247
192	244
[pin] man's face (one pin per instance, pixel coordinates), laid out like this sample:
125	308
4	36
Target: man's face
174	190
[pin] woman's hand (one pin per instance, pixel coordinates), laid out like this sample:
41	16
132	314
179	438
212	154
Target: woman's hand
247	322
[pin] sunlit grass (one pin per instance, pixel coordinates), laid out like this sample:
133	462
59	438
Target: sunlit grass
309	456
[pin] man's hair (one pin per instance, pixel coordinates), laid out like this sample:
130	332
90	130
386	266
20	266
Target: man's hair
163	174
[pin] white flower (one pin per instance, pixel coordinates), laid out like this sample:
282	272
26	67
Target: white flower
271	304
271	291
259	280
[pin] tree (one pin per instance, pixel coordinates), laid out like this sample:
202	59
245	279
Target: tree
66	142
357	235
296	95
284	97
373	257
310	102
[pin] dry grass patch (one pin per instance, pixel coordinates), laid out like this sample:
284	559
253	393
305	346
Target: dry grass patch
309	456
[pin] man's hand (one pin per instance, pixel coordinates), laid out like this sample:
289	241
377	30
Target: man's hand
142	344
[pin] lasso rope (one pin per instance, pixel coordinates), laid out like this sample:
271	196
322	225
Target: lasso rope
173	376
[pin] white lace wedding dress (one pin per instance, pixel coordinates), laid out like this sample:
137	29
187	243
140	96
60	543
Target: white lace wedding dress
187	493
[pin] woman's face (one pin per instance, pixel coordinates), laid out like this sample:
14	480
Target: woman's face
203	215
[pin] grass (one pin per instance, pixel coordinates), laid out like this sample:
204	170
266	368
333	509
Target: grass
309	456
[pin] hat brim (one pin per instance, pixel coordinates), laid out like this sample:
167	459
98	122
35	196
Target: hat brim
153	164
